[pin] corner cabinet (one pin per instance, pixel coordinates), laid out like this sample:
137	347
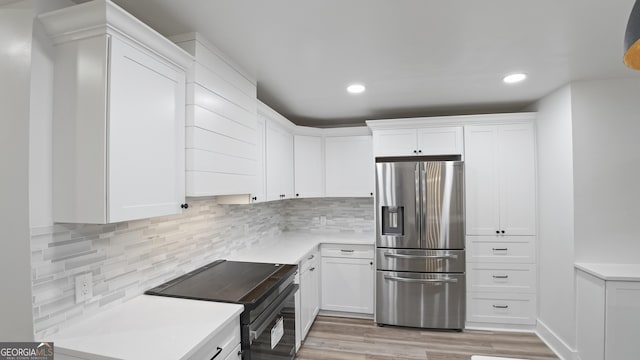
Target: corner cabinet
119	112
349	166
308	169
279	162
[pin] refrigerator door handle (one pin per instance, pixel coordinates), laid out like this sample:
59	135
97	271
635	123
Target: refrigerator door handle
418	202
427	281
403	256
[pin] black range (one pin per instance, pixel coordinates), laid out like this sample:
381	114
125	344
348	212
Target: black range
266	291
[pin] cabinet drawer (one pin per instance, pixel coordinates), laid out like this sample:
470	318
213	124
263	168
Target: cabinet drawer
504	249
516	278
235	354
226	338
348	251
503	308
309	260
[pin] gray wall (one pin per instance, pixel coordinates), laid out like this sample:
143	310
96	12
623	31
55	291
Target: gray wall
15	273
555	217
606	147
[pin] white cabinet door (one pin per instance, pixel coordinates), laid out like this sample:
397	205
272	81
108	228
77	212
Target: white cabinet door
308	166
146	135
517	179
118	132
349	166
309	299
481	180
397	142
259	194
440	141
279	162
347	285
590	316
622	319
500	180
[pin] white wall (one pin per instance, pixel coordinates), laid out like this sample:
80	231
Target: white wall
606	146
555	213
15	264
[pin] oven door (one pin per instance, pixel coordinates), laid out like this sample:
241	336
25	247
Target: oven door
273	334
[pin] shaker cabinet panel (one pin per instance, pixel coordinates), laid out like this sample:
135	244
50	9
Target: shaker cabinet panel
279	162
347	285
440	141
397	142
308	166
349	166
500	179
119	116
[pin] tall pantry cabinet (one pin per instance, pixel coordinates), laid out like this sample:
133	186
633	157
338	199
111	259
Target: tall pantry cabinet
500	223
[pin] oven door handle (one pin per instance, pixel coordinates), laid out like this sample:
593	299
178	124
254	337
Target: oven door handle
401	279
403	256
262	324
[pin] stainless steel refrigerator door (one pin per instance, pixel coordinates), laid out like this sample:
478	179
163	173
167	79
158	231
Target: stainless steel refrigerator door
442	209
420	300
397	201
419	260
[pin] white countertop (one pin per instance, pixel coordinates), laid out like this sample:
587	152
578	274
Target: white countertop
611	272
146	327
291	247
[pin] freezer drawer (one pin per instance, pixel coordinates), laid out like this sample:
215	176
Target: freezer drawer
420	300
414	260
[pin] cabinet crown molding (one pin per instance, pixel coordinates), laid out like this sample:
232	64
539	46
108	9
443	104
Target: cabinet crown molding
103	16
423	122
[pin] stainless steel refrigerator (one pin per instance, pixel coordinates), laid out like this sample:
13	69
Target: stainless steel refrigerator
420	256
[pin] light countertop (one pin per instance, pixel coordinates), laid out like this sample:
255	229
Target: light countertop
291	247
146	327
611	272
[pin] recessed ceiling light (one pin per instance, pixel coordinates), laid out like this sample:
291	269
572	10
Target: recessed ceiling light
356	88
514	78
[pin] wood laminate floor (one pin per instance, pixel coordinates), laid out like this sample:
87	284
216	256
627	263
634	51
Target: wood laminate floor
333	338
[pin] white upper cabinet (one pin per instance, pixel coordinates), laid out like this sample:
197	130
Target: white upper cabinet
278	155
500	179
119	110
308	166
445	140
349	166
221	124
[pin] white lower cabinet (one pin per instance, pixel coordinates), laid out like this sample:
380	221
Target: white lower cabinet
225	344
501	281
236	354
607	318
309	294
347	278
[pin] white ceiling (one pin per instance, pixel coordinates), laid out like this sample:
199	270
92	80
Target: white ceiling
416	57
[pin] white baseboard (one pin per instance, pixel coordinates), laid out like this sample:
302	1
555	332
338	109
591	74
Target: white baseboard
554	342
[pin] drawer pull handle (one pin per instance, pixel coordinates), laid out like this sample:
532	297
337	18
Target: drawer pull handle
500	249
500	306
311	269
500	276
346	251
310	257
388	254
217	352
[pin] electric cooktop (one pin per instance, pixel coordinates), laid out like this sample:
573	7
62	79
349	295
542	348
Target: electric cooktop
228	281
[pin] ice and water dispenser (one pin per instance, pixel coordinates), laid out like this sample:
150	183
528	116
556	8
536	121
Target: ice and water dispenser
393	220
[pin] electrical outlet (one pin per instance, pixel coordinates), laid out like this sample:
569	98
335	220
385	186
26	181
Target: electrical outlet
323	220
84	287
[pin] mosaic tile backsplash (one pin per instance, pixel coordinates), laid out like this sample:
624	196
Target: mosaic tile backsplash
127	258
